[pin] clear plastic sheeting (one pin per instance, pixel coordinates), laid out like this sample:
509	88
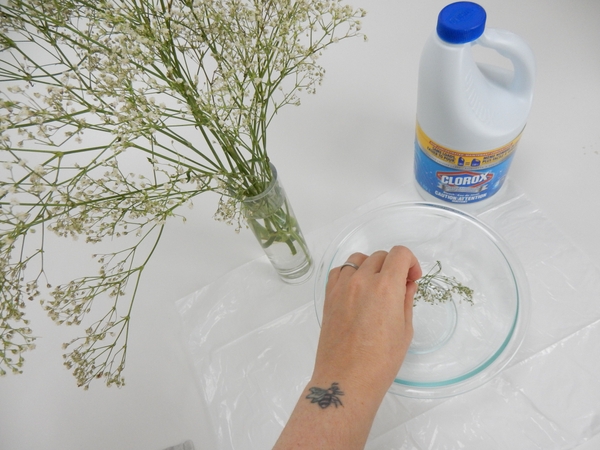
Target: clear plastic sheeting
252	341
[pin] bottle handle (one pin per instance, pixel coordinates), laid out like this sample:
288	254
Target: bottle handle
514	48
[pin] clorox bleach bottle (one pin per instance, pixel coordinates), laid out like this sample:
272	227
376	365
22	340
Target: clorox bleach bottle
469	116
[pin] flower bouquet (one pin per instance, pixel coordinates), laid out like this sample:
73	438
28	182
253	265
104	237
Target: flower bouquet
113	115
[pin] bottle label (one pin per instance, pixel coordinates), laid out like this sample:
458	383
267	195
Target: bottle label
460	177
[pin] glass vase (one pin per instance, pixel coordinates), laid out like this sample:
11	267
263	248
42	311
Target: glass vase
270	217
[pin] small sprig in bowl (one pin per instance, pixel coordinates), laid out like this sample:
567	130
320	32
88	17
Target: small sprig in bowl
434	287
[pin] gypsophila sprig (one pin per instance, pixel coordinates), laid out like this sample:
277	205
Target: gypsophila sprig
181	90
437	288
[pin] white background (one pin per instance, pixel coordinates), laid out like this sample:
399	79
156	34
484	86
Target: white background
343	147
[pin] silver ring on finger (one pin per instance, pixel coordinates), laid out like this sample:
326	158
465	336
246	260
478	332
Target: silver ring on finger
349	264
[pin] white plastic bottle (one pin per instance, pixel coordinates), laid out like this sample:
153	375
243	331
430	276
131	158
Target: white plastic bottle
469	116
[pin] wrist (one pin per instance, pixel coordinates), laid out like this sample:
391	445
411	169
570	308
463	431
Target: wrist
333	413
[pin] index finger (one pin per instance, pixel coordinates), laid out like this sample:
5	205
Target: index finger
401	261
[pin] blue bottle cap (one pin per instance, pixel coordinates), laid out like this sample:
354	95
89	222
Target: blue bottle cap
461	22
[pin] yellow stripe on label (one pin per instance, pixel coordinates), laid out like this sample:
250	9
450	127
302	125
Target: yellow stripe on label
457	159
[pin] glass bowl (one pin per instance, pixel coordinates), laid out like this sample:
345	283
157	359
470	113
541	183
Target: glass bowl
457	346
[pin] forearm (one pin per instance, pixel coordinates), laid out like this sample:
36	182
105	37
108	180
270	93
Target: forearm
338	418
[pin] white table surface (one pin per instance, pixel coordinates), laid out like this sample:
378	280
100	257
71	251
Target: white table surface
342	148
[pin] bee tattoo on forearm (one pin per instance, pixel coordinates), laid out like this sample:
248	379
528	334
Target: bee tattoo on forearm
326	397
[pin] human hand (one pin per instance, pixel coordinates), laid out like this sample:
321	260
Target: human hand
367	320
365	334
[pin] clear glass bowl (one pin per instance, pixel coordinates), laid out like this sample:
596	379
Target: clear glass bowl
457	346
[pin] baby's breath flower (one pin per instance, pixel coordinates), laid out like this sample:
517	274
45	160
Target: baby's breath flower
437	288
187	89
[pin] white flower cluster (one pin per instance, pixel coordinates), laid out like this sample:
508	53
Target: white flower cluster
184	88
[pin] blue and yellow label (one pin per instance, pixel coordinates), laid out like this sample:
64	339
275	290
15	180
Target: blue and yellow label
460	177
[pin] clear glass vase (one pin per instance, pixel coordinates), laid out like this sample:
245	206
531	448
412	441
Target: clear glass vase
273	222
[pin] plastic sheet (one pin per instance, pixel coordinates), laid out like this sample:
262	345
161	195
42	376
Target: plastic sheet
252	341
